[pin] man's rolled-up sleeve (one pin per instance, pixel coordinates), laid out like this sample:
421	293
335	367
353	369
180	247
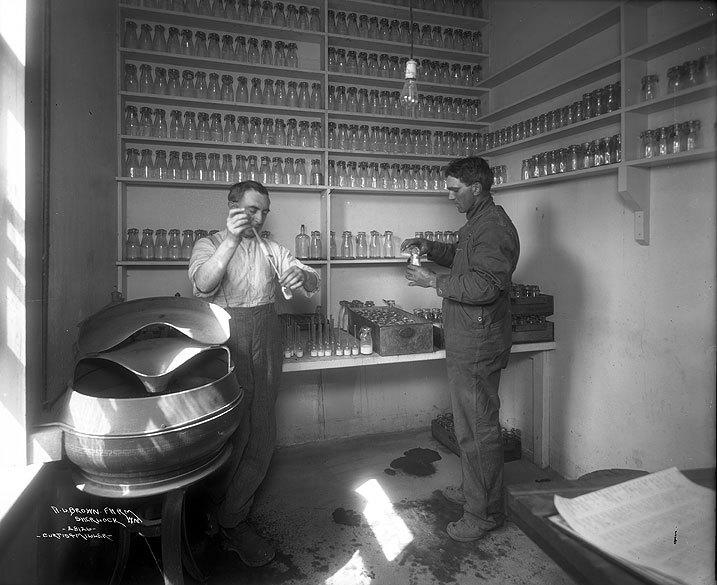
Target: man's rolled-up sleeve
490	258
287	260
203	250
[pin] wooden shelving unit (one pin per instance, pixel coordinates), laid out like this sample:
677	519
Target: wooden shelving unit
633	56
313	60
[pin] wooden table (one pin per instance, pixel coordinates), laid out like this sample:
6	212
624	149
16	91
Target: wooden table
530	505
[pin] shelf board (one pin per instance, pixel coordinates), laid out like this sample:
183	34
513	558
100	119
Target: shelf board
594	171
189	61
403	49
185	263
669	101
684	36
333	362
177	101
391	11
221	25
572	129
309	152
674	159
436	124
153	263
470	92
367	261
368	191
601	22
607	69
214	185
369	153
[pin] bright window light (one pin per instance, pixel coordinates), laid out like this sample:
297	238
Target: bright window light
12	26
15	320
352	573
390	530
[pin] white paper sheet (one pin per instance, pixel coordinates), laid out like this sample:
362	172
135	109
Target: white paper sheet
662	521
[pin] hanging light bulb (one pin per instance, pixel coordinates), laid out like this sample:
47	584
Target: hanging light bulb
409	91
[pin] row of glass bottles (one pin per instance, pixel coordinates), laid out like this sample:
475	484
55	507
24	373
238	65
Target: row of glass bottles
355	137
210	128
325	342
394	67
221	168
310	247
373	175
679	137
679	77
472	8
595	103
389	103
194	85
253	11
444	237
381	29
500	174
195	44
377	246
599	152
155	246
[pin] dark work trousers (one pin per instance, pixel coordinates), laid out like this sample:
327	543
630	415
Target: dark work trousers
257	353
475	355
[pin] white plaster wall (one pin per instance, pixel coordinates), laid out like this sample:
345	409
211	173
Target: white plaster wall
82	170
634	372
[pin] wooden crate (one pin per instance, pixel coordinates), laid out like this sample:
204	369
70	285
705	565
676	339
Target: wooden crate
393	330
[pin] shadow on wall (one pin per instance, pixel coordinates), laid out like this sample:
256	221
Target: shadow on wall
558	272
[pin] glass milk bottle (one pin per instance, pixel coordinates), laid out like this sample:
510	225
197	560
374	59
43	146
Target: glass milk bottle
302	244
161	247
132	245
174	250
187	243
147	245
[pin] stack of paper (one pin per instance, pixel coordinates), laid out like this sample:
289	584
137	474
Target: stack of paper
661	525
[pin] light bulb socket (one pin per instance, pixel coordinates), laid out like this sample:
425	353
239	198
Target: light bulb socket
411	69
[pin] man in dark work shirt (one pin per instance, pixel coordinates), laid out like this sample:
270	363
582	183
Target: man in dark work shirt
477	326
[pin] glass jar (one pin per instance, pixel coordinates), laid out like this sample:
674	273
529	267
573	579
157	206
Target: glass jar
649	87
692	140
674	79
647	139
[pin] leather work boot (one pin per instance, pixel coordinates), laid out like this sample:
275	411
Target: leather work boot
470	528
454	494
252	549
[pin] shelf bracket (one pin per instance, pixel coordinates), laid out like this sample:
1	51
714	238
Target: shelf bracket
633	186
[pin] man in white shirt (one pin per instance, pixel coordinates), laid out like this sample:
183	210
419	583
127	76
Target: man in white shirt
230	269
